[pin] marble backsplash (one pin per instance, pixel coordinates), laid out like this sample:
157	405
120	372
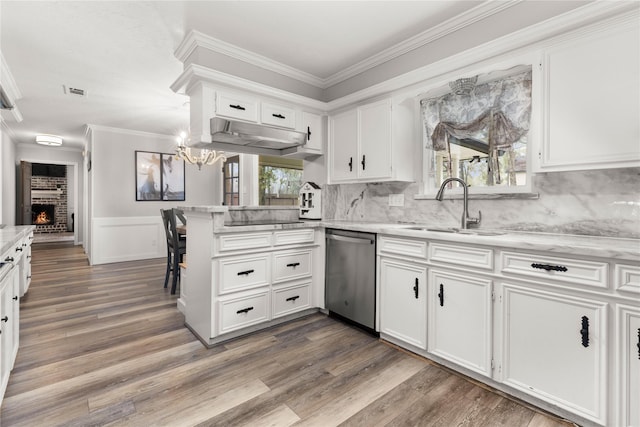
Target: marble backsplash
598	203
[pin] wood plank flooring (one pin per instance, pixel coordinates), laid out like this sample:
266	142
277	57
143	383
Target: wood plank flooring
105	345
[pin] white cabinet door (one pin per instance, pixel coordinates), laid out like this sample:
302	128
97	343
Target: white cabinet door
628	331
554	348
374	124
403	301
343	162
460	320
9	287
591	104
312	125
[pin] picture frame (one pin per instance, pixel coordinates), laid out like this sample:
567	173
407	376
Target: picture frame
159	177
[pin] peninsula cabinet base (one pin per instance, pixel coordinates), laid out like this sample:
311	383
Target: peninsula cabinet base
498	387
212	342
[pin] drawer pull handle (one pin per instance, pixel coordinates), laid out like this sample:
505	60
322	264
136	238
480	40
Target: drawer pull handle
244	310
15	298
638	343
293	298
9	259
24	244
245	273
293	264
18	249
5	319
278	116
549	267
441	295
237	107
415	288
585	331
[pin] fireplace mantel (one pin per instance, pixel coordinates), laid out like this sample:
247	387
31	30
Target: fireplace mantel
46	194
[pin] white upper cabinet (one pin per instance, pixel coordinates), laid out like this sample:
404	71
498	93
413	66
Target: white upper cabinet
371	143
237	106
278	115
591	102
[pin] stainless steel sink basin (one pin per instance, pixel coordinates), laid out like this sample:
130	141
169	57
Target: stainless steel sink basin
473	231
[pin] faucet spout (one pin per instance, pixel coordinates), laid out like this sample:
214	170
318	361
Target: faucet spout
466	219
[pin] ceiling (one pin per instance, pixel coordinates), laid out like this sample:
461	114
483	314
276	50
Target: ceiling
122	52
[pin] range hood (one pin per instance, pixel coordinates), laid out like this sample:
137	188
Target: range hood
232	135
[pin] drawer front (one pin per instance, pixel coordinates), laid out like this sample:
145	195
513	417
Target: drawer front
291	265
292	237
560	269
237	107
240	312
291	299
461	255
278	115
234	242
243	273
627	278
405	247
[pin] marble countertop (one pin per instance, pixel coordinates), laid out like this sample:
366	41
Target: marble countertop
12	234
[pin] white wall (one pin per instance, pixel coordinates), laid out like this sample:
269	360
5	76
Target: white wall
122	228
7	179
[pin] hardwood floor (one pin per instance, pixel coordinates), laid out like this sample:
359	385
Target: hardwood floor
105	345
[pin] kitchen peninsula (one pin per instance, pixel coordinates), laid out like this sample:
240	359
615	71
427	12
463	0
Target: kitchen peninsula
249	268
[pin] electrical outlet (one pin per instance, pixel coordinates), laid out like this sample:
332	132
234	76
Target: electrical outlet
396	200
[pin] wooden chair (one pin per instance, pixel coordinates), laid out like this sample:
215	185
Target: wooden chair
176	247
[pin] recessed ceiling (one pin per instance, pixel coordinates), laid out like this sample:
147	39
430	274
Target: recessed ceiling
122	53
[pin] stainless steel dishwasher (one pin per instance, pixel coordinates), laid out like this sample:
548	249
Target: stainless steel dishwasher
350	279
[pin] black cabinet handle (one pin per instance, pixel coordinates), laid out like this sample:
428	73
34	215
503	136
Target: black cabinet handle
30	237
584	332
9	259
15	298
24	244
244	310
441	295
245	273
350	164
362	162
308	133
5	319
293	298
28	256
415	288
237	107
293	264
18	249
29	277
549	267
638	343
278	116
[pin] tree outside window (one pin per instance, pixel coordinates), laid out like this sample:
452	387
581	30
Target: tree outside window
279	181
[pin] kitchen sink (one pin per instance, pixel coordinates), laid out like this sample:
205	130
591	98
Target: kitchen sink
473	231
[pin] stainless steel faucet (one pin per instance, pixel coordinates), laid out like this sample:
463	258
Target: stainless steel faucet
466	220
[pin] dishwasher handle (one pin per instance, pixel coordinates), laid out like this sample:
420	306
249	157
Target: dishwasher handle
358	240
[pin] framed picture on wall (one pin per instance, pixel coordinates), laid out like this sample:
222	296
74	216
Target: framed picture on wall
159	176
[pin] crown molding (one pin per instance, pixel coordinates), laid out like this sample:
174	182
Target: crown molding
92	128
194	73
7	81
196	39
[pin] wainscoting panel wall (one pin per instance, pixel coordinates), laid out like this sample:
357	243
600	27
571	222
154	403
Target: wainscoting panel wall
117	239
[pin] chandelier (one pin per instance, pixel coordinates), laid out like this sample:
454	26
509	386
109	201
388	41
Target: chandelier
205	157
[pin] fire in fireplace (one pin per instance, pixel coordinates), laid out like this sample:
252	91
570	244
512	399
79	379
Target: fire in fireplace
42	214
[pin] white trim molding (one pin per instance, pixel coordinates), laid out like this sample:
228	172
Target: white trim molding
126	132
118	239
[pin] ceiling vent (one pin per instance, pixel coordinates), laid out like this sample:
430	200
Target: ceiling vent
74	91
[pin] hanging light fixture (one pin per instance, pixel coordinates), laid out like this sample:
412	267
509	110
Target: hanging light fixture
205	157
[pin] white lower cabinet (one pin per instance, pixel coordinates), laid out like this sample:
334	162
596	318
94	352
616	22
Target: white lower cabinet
403	301
554	348
9	324
628	348
460	319
243	310
290	299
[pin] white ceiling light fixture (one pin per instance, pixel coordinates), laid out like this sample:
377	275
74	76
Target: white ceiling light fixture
50	140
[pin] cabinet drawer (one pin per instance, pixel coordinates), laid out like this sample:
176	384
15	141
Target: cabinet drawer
560	269
627	278
290	237
405	247
240	312
461	255
291	299
278	115
237	107
291	265
234	242
243	273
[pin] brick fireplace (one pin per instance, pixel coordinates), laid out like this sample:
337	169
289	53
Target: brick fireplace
49	203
